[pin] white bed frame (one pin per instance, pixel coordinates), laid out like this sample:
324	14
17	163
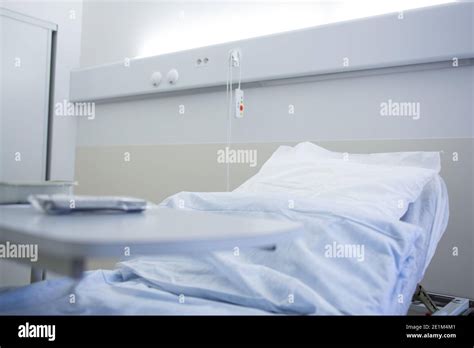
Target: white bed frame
424	303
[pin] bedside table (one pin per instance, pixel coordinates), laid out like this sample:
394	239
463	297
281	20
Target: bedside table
65	242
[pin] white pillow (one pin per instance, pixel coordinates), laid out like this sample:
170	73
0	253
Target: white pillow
421	159
383	183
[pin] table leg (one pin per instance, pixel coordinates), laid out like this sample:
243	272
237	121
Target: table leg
77	268
37	274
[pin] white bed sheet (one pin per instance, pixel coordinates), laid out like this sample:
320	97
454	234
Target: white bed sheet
430	212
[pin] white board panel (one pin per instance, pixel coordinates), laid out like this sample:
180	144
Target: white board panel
332	109
426	35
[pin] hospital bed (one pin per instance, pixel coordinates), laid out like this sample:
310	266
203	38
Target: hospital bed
370	226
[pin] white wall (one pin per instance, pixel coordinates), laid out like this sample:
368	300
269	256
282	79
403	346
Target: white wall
68	16
114	30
